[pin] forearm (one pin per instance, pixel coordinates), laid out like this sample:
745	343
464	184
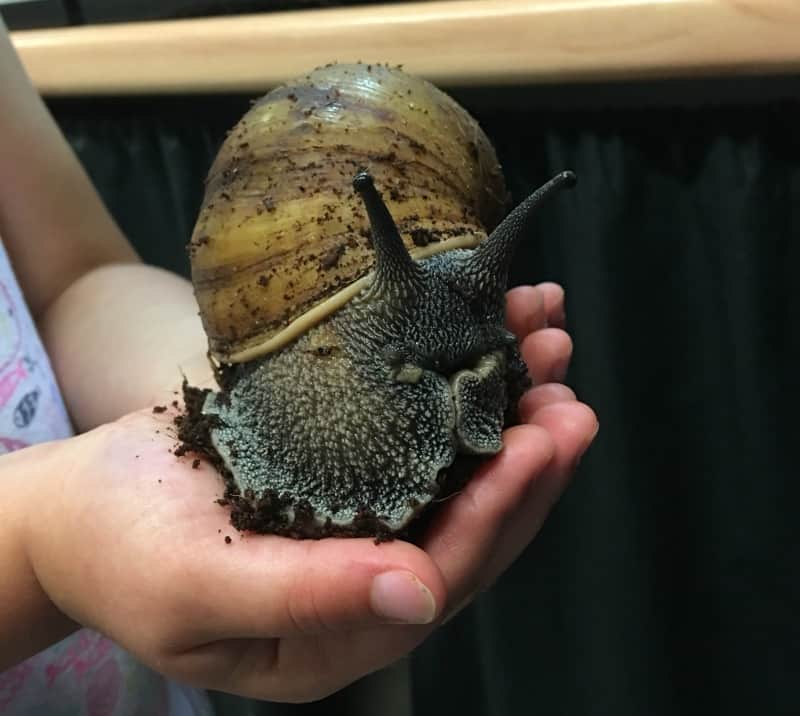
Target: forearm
121	338
29	621
118	335
52	222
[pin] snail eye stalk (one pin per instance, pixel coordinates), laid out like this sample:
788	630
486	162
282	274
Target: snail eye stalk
488	267
394	266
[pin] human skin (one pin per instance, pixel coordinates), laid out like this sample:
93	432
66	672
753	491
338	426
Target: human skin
111	530
120	535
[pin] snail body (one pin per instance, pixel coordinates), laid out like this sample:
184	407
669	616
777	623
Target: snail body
354	302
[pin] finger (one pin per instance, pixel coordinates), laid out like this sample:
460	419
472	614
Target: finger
461	536
268	586
294	670
547	354
525	310
536	398
333	663
572	426
553	295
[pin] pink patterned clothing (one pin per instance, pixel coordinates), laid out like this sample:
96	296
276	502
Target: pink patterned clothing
85	674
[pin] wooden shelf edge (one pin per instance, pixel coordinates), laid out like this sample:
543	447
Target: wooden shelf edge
452	42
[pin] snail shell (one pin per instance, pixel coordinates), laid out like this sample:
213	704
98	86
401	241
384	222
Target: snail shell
282	239
354	303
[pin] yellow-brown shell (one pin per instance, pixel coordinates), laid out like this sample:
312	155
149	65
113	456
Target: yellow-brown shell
282	239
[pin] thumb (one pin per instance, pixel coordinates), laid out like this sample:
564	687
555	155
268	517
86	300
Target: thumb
278	587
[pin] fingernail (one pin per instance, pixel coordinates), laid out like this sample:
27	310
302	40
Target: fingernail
560	370
587	446
399	596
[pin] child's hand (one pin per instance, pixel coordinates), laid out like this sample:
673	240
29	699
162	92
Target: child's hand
128	539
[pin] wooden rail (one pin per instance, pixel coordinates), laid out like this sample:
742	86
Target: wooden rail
452	42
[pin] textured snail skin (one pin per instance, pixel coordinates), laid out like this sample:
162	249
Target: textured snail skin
358	417
352	428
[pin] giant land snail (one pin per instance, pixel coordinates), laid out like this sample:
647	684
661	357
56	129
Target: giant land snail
350	261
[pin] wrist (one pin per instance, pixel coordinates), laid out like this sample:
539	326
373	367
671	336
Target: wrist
29	619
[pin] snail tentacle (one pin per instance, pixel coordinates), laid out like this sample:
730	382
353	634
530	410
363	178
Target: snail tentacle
488	267
394	267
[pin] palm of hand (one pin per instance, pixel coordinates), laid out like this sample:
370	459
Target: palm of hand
142	555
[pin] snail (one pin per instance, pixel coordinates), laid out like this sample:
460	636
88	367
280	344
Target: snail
353	299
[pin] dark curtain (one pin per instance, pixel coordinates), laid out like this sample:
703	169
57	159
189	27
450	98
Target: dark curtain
666	580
